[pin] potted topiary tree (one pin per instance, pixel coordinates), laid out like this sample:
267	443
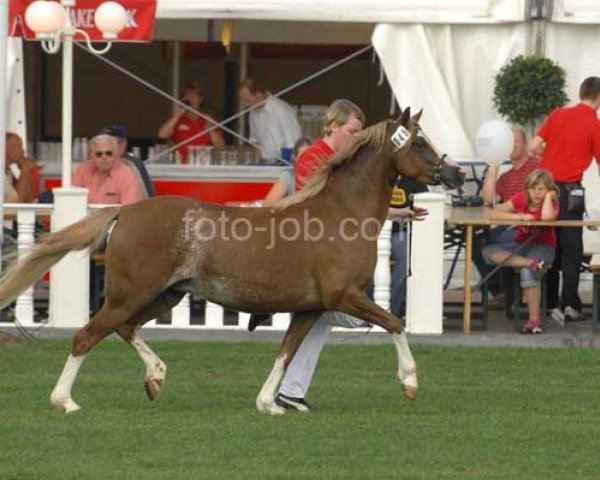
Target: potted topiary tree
529	88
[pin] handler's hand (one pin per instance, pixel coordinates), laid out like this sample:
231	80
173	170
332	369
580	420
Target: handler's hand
416	213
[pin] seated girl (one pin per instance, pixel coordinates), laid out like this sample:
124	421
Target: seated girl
533	248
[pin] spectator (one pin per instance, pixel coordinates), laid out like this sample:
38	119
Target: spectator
535	246
137	165
22	175
185	125
273	123
567	141
284	186
106	177
508	184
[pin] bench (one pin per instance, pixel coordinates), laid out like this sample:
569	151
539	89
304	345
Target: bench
595	269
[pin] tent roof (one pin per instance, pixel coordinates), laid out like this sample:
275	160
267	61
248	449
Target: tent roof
373	11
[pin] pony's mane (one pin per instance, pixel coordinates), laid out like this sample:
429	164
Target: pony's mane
374	136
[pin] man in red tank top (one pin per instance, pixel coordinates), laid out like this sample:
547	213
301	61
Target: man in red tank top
567	141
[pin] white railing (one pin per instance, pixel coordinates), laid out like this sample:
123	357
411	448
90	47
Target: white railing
25	217
214	316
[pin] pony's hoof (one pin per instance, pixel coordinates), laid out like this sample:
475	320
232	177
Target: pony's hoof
270	408
153	386
65	405
408	381
410	393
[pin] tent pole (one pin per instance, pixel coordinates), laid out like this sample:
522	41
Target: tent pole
176	71
540	13
3	112
243	74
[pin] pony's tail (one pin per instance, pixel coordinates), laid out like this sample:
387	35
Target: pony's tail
89	232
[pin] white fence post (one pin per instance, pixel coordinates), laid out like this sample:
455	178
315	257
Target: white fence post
383	277
70	278
243	320
281	321
180	315
213	315
425	285
25	239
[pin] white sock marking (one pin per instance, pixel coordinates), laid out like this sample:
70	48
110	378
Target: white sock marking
265	402
155	367
61	395
407	368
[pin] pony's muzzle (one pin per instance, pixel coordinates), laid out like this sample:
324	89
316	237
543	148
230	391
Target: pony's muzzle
452	177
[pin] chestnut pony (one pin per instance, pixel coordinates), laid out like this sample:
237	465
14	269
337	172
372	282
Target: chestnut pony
313	252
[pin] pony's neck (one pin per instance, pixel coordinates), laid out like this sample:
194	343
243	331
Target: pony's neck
364	184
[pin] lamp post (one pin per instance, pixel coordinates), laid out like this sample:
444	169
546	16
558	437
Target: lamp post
51	23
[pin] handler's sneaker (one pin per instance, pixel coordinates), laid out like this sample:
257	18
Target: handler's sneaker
558	316
292	403
572	315
531	326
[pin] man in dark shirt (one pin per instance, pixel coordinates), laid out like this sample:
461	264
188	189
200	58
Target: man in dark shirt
403	189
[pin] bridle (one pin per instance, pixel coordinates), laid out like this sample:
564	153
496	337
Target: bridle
438	163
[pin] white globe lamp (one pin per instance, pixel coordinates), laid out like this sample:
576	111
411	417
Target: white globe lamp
110	18
494	142
45	18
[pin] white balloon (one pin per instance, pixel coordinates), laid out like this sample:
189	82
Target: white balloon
494	142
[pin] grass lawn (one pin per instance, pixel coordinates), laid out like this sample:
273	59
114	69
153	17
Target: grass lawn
482	413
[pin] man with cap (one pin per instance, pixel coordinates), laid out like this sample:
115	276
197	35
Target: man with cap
136	163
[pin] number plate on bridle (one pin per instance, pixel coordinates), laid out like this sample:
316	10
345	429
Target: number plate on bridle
401	137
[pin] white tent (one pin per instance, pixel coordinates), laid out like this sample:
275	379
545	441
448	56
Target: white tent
374	11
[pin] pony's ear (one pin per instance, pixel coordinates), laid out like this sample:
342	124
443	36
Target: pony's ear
417	116
405	116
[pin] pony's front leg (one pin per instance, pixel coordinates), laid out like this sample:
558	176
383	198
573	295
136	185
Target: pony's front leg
299	327
363	308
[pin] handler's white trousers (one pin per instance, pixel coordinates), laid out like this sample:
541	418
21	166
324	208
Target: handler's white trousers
298	376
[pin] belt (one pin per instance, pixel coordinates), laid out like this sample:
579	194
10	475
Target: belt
568	184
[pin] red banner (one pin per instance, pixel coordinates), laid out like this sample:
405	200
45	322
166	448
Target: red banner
139	27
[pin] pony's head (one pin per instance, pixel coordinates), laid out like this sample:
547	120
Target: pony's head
414	157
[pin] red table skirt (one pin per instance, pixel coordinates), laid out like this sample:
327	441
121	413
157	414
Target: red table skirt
215	192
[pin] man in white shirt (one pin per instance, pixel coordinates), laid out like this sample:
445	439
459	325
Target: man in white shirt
273	123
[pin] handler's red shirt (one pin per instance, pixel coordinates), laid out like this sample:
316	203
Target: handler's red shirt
310	160
572	137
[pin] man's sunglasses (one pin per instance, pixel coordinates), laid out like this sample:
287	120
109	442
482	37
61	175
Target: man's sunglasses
108	153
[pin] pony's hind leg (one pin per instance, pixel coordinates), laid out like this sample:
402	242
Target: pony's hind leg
156	370
84	340
299	327
363	308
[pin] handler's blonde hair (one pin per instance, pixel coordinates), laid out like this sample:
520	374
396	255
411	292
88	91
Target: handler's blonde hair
340	111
